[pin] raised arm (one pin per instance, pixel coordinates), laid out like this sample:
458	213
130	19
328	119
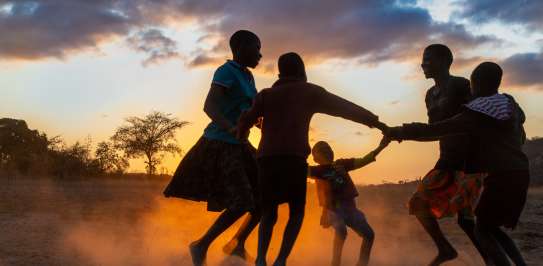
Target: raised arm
372	155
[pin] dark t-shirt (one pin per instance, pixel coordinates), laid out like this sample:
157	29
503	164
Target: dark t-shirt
336	176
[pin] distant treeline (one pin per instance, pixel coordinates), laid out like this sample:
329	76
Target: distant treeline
30	152
24	151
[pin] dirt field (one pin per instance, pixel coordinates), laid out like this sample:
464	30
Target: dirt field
128	222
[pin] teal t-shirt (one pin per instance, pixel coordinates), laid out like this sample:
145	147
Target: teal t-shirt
239	96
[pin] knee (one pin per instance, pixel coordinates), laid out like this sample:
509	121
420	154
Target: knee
341	232
368	234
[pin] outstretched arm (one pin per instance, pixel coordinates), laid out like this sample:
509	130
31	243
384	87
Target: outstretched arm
465	122
334	105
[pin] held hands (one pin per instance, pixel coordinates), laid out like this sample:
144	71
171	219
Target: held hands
389	133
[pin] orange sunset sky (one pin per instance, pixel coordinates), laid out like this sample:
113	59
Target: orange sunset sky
77	68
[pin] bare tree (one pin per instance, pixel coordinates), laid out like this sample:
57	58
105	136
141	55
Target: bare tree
151	136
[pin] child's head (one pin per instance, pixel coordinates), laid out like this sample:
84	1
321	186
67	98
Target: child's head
291	65
436	59
245	47
322	153
486	79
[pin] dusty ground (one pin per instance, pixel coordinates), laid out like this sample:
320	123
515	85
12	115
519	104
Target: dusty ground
127	222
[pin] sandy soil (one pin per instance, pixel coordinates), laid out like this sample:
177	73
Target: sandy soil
127	222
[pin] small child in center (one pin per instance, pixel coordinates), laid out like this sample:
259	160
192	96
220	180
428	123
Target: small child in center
337	194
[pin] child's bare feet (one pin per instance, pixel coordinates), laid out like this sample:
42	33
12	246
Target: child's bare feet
260	262
198	253
443	257
233	248
280	262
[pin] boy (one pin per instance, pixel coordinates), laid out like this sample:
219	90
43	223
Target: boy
497	120
337	195
286	109
437	191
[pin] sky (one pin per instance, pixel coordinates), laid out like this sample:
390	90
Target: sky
78	68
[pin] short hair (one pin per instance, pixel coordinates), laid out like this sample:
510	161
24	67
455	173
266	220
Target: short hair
240	38
441	51
291	65
323	148
488	75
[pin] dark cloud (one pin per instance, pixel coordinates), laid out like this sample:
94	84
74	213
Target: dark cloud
153	42
525	12
524	70
39	29
367	31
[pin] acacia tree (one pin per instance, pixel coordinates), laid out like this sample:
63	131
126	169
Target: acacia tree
151	136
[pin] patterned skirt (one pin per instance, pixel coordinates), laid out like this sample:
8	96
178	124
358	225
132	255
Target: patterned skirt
222	174
444	193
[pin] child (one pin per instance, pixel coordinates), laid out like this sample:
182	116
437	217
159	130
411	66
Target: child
220	168
286	109
337	196
497	120
437	195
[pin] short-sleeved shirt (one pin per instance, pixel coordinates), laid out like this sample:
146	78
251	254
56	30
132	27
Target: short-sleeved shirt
335	180
239	94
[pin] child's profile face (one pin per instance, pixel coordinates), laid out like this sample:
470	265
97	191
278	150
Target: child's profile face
250	53
321	157
431	64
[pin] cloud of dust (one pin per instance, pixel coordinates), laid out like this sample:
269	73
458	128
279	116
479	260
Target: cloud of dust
159	234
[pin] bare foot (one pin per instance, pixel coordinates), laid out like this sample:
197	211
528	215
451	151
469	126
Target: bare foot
443	257
197	253
233	249
260	263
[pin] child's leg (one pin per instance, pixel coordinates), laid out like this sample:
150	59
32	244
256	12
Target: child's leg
509	246
198	248
236	246
490	245
340	233
294	224
468	226
269	218
356	220
446	251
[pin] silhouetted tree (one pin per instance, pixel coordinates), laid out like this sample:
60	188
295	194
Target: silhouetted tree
108	159
151	137
21	149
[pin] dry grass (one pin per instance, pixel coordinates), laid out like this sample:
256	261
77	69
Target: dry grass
128	222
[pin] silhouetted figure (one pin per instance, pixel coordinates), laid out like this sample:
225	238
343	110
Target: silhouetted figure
438	194
337	194
498	122
220	168
287	108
